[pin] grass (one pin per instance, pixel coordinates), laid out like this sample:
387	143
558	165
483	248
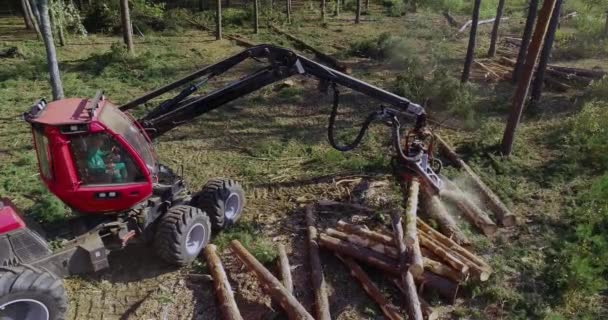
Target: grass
550	267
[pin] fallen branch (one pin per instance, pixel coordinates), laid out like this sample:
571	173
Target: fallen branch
331	61
390	311
318	279
274	287
470	22
223	291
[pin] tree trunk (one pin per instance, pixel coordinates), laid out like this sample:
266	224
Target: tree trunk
367	6
51	55
256	18
288	302
288	3
27	19
57	26
337	8
468	62
358	15
525	40
323	10
317	277
390	311
537	86
521	93
223	290
606	26
218	20
494	38
127	30
32	11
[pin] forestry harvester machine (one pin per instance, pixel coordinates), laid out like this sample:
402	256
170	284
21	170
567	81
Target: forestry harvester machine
100	161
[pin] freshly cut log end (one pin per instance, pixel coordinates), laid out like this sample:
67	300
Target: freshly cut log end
316	269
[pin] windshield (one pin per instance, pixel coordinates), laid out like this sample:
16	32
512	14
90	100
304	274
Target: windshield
121	124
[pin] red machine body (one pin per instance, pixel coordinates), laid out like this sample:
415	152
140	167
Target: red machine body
9	218
92	156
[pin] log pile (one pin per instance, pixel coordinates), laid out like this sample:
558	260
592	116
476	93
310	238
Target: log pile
559	78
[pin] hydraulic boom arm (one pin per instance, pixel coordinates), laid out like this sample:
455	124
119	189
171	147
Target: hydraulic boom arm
284	63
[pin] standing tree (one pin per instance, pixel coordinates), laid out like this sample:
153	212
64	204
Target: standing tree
367	6
494	39
218	20
256	12
358	16
525	40
41	8
537	86
521	93
323	10
337	8
468	62
27	19
288	3
127	30
606	26
33	13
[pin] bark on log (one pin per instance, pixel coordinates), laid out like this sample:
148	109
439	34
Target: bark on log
445	255
444	287
317	277
504	216
127	28
327	59
390	311
537	85
364	232
439	268
389	251
223	290
427	311
370	257
410	260
411	211
437	211
468	62
285	268
525	40
477	266
276	290
471	211
494	36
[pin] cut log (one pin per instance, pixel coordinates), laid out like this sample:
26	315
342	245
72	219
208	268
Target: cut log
439	268
389	251
389	310
437	211
471	211
285	268
427	311
329	60
223	290
449	258
409	260
364	232
411	211
318	279
274	287
477	266
504	217
488	70
442	286
362	254
596	74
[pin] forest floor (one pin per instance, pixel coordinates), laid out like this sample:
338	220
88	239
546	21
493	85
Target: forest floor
274	142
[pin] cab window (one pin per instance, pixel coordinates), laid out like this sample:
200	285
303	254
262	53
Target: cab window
44	154
101	160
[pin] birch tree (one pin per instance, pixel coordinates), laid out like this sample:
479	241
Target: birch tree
41	12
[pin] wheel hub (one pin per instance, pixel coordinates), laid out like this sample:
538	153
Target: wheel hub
232	206
24	309
195	239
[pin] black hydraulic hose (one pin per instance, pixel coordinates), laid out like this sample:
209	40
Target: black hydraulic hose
332	121
398	146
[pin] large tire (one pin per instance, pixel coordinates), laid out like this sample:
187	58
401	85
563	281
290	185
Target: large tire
27	293
181	235
223	200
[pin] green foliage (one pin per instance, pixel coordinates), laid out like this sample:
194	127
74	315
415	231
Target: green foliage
249	235
394	8
47	208
589	134
104	17
487	9
100	18
67	16
395	49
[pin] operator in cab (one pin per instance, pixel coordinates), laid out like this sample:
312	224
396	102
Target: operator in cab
105	165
